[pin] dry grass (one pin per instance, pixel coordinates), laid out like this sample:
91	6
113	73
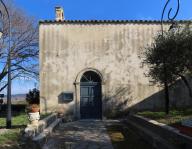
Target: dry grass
123	137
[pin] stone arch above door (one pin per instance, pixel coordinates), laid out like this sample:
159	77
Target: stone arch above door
79	75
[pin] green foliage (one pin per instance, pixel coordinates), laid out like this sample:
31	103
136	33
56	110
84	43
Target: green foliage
152	115
175	116
170	53
33	96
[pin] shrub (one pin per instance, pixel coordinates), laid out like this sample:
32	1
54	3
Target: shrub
33	96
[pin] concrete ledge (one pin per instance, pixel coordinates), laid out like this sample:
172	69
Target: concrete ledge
48	120
34	130
152	138
170	135
40	139
48	130
35	136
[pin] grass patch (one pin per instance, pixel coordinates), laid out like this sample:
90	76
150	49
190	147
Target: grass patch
19	120
11	137
175	116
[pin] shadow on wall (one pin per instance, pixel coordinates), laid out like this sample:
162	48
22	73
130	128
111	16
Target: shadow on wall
178	94
117	105
121	102
112	106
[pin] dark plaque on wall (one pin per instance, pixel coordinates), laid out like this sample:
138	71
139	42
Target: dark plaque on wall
66	97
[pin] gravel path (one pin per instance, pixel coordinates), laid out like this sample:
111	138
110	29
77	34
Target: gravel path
83	134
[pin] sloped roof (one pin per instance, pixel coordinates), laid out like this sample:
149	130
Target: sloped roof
111	21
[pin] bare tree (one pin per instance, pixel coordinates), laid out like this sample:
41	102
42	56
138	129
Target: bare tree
24	46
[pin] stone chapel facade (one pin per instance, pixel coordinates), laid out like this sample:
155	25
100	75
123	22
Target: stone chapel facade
92	69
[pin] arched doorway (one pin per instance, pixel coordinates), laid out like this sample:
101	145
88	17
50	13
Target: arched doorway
90	96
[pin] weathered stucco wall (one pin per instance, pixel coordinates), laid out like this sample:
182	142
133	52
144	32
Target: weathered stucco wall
67	50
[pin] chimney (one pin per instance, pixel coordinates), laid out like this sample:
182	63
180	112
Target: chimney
59	14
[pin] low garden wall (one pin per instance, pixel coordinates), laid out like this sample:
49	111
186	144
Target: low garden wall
35	135
160	135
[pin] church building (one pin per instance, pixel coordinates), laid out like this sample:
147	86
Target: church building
91	68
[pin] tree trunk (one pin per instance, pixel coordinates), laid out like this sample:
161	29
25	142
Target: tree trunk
166	91
166	98
187	84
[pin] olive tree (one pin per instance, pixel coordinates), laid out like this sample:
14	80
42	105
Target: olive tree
169	57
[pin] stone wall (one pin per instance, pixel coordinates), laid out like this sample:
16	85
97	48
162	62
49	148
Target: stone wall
69	49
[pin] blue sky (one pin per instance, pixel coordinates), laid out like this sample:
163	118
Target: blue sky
96	9
103	9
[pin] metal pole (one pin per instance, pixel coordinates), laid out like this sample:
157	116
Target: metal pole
8	122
